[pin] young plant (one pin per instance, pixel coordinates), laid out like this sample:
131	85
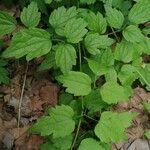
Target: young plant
95	49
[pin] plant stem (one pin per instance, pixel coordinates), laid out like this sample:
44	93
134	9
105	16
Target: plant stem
58	40
82	112
115	34
90	118
80	57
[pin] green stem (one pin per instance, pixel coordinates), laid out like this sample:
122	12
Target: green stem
58	40
82	112
95	79
115	34
90	118
80	57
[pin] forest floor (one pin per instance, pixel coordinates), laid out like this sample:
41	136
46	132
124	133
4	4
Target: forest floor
38	93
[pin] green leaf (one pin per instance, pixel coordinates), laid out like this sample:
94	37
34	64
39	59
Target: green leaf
105	58
144	74
60	16
147	134
112	125
63	143
48	146
77	83
96	22
146	30
93	102
127	75
65	57
4	76
30	16
147	106
89	144
145	45
98	69
7	23
65	98
111	75
48	1
140	12
42	126
31	42
48	62
126	51
94	42
113	93
88	1
59	123
133	34
75	30
114	17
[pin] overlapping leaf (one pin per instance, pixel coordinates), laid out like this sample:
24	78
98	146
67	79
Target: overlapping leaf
7	23
112	125
96	22
126	51
4	73
59	123
31	43
65	57
77	83
93	102
114	17
75	30
140	12
133	34
30	16
59	18
94	42
88	1
113	93
90	143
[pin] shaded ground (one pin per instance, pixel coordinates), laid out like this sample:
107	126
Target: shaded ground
39	93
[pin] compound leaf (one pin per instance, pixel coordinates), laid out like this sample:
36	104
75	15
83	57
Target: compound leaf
30	16
65	57
7	23
112	125
77	83
31	42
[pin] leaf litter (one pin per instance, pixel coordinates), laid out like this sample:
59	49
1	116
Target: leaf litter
39	93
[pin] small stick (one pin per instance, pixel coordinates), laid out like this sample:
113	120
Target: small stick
21	98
